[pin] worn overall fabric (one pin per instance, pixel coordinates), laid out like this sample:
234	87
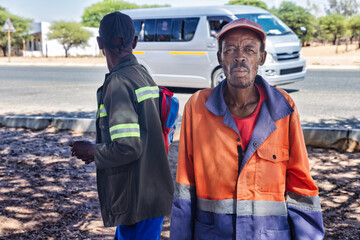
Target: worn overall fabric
263	192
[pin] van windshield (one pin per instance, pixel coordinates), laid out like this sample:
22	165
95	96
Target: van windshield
271	24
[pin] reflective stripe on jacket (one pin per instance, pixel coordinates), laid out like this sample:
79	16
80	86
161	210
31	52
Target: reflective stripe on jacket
265	192
133	174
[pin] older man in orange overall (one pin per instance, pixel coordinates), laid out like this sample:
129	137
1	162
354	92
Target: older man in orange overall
243	170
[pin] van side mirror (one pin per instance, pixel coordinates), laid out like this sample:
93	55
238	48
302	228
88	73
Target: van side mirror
303	29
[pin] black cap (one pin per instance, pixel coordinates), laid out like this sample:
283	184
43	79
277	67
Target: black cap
116	25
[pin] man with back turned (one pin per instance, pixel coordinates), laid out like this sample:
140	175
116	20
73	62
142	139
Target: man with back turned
133	177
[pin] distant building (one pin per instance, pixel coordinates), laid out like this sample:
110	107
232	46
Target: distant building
40	46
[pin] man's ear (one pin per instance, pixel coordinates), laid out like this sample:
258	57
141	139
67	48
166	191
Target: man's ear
135	42
219	57
262	58
100	43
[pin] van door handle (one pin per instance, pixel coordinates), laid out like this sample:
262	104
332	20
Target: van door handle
211	45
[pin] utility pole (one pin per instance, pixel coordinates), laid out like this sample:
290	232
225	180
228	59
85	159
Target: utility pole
9	40
8	27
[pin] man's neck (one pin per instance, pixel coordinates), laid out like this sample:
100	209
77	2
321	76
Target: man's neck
113	59
241	102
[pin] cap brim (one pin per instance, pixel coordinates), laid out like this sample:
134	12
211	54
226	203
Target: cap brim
226	29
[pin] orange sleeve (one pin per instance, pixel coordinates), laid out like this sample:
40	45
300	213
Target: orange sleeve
185	167
298	178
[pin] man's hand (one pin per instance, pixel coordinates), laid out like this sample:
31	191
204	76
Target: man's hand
83	150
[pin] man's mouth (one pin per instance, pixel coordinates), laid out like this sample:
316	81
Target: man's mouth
239	71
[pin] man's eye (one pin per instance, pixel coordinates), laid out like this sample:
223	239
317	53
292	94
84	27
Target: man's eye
250	51
229	50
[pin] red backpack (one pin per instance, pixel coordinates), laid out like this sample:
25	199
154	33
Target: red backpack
169	108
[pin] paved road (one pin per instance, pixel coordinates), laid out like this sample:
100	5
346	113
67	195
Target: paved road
328	98
50	90
325	98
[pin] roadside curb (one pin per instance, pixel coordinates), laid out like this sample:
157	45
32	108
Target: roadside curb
38	123
338	138
342	139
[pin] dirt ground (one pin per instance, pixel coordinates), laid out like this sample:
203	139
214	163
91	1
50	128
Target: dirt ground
332	55
314	55
46	194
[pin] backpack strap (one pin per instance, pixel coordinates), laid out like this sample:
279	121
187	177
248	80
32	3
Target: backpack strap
165	104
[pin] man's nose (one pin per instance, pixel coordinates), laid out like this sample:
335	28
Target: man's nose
239	55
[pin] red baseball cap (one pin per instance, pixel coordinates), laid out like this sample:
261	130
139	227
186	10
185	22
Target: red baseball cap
243	23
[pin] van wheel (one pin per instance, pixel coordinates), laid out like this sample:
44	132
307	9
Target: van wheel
217	77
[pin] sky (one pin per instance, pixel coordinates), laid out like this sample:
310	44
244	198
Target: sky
72	10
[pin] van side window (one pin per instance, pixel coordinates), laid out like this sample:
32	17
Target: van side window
163	30
166	30
216	23
216	26
139	29
149	30
190	27
177	27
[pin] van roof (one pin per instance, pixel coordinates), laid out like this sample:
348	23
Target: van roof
163	12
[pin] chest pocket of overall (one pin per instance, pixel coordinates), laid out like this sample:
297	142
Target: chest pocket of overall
271	162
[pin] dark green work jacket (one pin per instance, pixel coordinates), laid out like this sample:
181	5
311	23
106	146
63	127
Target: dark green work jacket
133	176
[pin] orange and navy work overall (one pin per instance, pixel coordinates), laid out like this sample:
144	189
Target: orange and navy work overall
263	192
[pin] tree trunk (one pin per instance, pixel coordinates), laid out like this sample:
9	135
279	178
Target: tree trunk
337	46
334	41
4	50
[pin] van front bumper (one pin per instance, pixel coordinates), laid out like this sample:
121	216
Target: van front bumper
284	72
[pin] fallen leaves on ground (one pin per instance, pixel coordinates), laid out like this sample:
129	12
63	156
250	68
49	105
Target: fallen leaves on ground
46	194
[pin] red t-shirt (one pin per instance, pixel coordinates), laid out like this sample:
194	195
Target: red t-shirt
246	125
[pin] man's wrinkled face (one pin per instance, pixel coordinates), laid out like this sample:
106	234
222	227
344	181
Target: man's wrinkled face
240	57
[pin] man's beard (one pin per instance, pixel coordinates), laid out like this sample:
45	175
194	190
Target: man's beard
239	84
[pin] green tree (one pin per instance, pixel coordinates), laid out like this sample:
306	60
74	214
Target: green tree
334	25
319	33
256	3
21	26
69	34
354	27
296	17
93	14
343	7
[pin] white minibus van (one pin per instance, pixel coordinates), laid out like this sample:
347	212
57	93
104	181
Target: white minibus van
178	46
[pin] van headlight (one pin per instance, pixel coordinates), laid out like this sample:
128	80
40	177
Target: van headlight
269	58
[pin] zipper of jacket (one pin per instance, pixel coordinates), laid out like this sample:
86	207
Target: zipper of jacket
240	158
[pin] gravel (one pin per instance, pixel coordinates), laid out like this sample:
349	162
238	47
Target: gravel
46	194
